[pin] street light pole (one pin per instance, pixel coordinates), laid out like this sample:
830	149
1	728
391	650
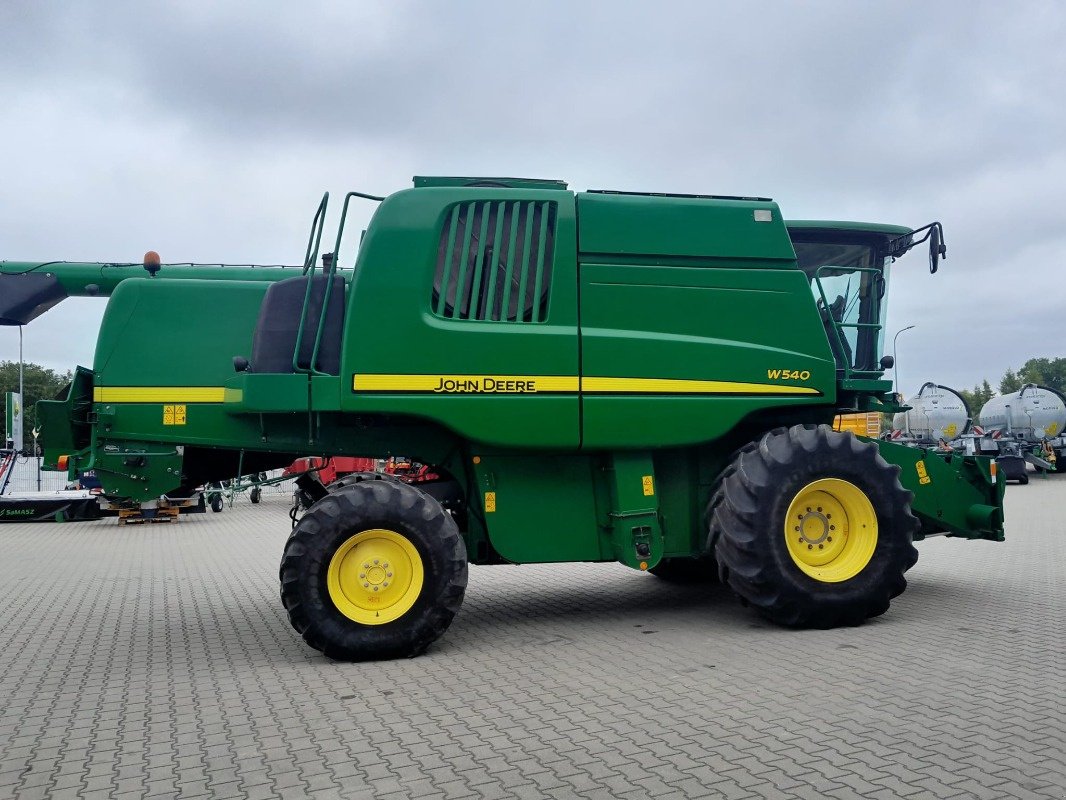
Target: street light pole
895	359
22	396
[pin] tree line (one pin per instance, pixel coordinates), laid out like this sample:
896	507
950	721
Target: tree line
39	383
1050	372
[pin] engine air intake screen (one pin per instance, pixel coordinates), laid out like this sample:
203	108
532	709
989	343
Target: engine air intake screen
494	261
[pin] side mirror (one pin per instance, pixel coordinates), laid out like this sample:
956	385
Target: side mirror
937	248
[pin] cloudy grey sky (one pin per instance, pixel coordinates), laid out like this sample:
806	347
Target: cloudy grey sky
207	131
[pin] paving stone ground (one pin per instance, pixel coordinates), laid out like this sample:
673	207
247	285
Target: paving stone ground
158	661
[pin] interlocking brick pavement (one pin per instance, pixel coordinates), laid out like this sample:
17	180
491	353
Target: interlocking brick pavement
157	661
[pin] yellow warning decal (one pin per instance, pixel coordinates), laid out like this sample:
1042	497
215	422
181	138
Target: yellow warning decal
174	414
923	474
676	386
543	384
490	502
649	485
159	394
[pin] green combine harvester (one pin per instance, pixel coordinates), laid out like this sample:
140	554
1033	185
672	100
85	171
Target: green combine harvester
596	376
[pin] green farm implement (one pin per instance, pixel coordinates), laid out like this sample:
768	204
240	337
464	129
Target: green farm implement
595	376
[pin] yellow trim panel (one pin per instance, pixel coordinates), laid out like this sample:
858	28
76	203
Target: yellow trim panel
466	384
542	384
675	386
159	394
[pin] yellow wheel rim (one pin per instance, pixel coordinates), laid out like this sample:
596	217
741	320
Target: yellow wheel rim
831	530
375	577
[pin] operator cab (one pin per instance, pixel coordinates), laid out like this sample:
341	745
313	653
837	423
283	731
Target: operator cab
847	266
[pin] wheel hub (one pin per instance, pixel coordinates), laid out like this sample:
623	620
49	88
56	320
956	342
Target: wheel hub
831	530
375	577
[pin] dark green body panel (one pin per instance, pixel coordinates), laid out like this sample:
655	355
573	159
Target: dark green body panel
695	323
391	297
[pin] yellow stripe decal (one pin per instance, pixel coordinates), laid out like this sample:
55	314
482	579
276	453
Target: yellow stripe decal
465	384
539	384
159	394
675	386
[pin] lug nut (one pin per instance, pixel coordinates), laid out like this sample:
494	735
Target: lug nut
810	547
362	575
388	574
385	585
377	561
366	585
821	546
375	588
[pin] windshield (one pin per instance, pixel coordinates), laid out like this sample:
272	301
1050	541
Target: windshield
847	276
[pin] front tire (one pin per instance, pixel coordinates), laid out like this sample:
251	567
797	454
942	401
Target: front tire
812	527
374	570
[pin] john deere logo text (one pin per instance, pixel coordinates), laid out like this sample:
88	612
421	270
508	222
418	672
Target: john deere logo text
788	374
496	385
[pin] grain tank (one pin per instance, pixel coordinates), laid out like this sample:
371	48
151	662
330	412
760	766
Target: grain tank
936	413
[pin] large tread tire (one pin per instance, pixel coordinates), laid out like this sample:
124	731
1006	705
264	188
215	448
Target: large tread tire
360	477
698	569
332	521
747	519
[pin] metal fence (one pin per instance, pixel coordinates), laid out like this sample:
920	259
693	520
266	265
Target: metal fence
24	477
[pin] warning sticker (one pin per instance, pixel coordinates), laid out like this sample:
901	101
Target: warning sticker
174	414
649	485
490	502
923	475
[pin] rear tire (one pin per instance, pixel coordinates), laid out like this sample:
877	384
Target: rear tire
360	477
326	586
771	526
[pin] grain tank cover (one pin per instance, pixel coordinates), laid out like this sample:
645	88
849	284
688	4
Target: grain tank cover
434	181
1034	412
937	412
662	229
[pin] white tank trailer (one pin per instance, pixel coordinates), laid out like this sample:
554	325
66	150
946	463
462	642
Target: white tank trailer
938	414
1024	426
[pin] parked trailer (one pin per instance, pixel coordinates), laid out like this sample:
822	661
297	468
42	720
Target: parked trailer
1024	427
936	415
